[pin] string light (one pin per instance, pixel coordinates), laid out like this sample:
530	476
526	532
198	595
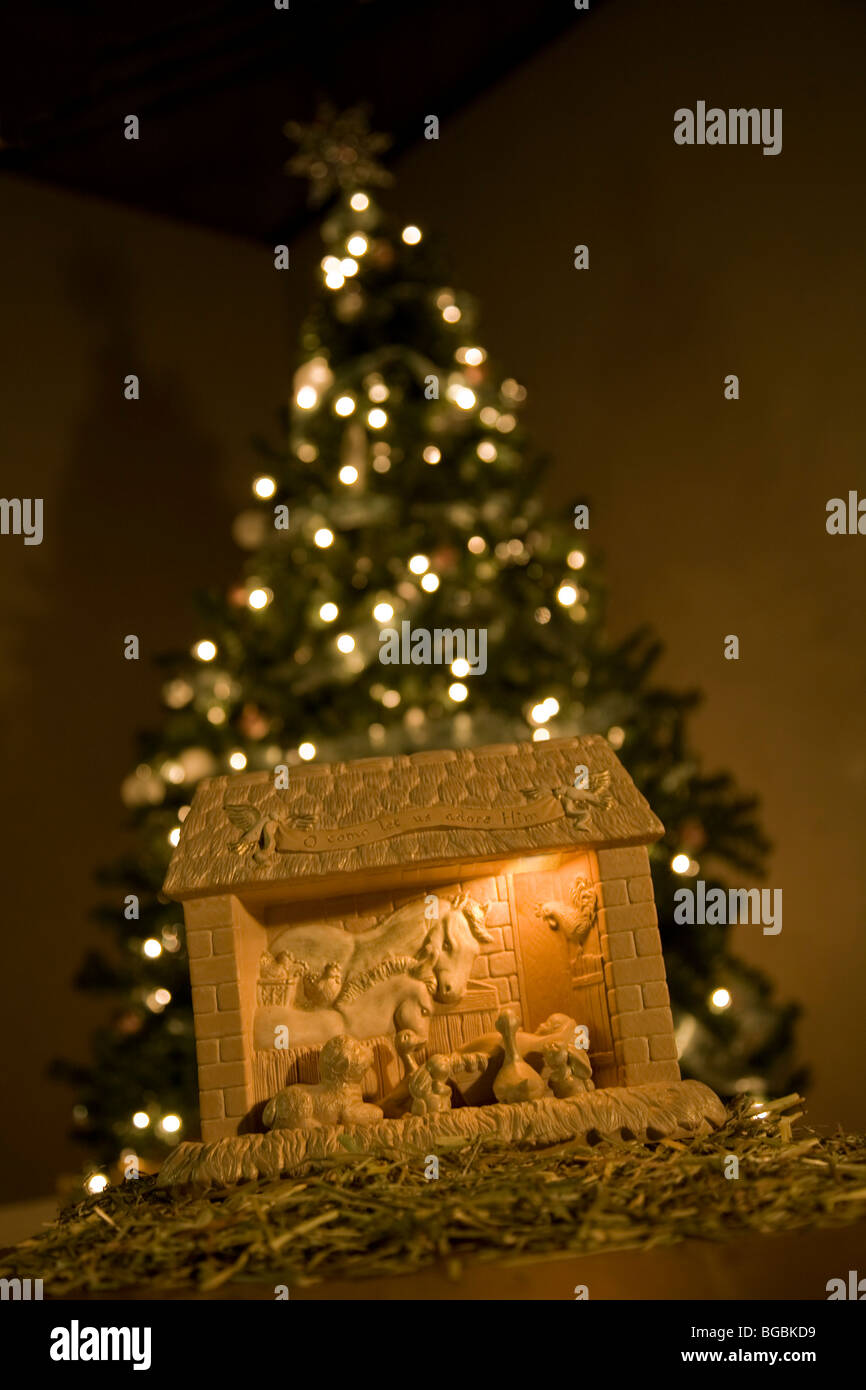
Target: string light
328	612
378	391
488	415
377	419
259	598
505	423
458	692
265	486
151	948
383	612
391	699
470	356
576	560
451	314
335	279
170	1123
205	650
542	615
323	538
97	1182
539	714
566	594
411	235
141	1119
307	453
345	642
172	772
460	667
174	836
616	736
431	454
306	752
430	583
486	451
238	760
349	266
348	474
307	398
680	863
720	999
477	544
344	405
463	397
419	564
359	202
356	245
216	715
539	735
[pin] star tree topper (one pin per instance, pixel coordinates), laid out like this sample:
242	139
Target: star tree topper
337	152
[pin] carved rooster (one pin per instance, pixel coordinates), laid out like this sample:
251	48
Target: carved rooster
324	988
576	918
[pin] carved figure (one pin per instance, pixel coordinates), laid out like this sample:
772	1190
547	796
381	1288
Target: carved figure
567	1070
448	945
515	1081
386	1005
336	1099
577	918
428	1084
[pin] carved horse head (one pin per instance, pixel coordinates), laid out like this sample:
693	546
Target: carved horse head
452	944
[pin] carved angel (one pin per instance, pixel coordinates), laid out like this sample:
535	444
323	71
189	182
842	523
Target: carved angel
257	830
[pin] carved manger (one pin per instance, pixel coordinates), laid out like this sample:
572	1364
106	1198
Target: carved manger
394	952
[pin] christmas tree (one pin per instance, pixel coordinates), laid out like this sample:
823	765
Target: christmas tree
402	495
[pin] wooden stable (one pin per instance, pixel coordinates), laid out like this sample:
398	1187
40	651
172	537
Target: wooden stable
516	875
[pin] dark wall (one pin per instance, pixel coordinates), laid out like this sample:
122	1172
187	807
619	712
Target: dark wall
710	513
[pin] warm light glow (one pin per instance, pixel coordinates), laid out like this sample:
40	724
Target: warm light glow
458	691
307	398
356	245
477	544
205	650
383	612
418	564
539	735
567	595
486	451
359	202
216	715
173	772
328	612
349	266
306	752
377	419
348	474
720	998
265	486
174	835
451	314
411	235
505	423
162	997
488	415
552	706
378	392
460	667
259	598
539	714
431	454
152	948
473	357
97	1182
335	279
323	538
238	760
170	1123
345	642
141	1119
576	560
464	397
344	405
430	583
680	863
391	699
616	736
